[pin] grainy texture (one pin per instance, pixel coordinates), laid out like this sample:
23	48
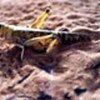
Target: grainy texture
71	73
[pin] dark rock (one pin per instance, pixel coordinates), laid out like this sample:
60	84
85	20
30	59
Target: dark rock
96	66
43	96
79	91
66	96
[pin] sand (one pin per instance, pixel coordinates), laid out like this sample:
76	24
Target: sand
71	73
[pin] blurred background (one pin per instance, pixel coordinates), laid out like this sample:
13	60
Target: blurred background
69	13
77	67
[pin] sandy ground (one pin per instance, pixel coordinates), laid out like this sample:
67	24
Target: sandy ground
73	73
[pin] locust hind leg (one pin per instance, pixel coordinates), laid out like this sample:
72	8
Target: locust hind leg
41	42
39	22
52	45
41	39
22	50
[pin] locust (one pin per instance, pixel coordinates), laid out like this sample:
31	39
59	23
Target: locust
40	39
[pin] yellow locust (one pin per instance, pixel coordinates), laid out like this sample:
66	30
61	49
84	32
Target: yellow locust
38	38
